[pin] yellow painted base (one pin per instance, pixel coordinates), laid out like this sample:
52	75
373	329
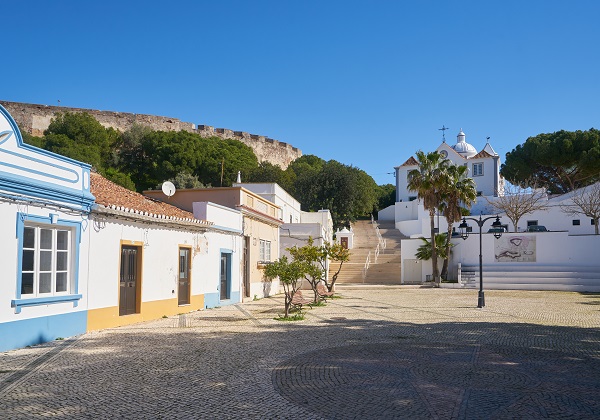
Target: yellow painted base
98	319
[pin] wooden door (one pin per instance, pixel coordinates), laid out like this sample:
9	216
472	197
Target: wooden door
344	242
128	281
184	276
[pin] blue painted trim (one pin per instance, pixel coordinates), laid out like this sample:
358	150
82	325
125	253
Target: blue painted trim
211	300
20	226
22	145
46	190
36	188
20	303
29	332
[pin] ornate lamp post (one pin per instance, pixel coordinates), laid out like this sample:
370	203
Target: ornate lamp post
464	233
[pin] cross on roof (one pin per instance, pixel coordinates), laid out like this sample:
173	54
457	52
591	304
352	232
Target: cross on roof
443	129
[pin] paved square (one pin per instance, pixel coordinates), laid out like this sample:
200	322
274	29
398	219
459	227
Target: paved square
377	352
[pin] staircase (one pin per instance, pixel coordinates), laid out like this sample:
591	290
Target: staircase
386	270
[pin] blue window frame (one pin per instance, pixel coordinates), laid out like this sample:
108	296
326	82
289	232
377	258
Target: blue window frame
47	261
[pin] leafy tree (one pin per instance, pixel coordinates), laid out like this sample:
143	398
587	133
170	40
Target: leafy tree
346	191
560	162
333	253
289	274
185	180
429	182
304	172
129	154
119	178
518	201
386	196
32	140
459	191
80	136
585	201
267	172
311	254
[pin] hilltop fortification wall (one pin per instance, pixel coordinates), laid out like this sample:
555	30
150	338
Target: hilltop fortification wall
34	119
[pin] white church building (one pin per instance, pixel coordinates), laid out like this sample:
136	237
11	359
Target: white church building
484	167
565	257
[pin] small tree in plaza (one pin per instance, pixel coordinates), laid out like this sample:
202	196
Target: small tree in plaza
333	252
310	254
586	201
289	273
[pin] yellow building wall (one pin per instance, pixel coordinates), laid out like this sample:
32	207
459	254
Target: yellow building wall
109	317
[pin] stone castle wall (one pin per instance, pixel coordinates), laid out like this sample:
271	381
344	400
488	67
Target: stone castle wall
34	119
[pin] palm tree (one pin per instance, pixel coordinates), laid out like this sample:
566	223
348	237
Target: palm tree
429	183
459	193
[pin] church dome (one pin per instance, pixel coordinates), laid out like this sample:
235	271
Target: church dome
462	147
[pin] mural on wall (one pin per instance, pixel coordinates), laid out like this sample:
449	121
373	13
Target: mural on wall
515	248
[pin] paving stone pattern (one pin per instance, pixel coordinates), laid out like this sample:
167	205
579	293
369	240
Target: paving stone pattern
377	352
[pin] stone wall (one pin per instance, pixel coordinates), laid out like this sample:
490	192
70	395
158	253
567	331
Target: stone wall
34	119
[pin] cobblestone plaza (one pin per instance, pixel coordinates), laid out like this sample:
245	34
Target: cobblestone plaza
377	352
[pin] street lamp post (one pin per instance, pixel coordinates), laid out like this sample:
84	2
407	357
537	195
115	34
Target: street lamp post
464	233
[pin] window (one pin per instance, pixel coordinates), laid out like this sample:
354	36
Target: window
479	193
593	222
265	250
576	222
45	261
532	223
477	169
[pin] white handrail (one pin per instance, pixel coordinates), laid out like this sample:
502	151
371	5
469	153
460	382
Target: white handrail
366	267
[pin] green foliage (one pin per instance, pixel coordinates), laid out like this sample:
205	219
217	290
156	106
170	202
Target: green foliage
459	192
429	182
119	178
298	316
32	140
346	191
153	157
81	137
424	251
289	273
267	172
386	196
185	180
561	162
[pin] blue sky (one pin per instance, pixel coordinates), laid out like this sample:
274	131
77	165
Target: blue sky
365	83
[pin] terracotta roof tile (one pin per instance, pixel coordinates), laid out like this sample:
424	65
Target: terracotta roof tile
111	195
411	162
480	155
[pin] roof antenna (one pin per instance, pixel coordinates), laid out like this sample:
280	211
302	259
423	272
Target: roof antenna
443	130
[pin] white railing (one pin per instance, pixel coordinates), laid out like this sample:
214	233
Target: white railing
366	267
382	242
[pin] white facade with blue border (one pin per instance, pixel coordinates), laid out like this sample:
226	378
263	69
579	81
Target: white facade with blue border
45	202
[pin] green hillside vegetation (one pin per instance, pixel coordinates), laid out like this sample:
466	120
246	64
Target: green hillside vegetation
141	159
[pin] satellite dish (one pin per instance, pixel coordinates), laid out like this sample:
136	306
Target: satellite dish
168	188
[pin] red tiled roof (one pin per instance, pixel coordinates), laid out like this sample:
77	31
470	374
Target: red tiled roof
411	162
482	154
111	195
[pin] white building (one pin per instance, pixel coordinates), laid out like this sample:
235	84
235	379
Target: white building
565	258
289	207
484	168
45	202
